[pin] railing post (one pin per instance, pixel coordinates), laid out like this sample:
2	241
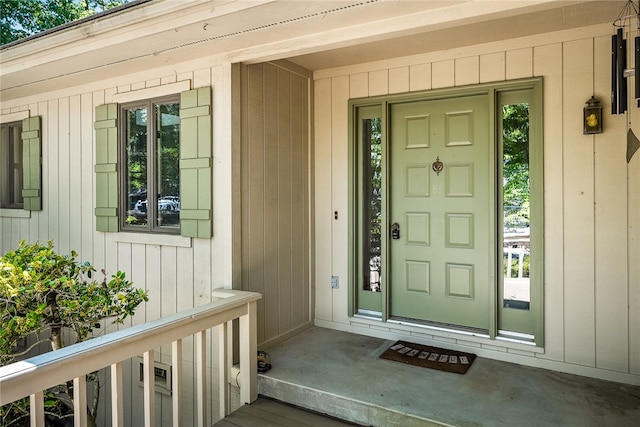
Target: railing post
223	367
176	382
117	409
201	375
248	355
520	262
149	389
37	409
80	401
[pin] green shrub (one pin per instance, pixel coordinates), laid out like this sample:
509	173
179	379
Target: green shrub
42	291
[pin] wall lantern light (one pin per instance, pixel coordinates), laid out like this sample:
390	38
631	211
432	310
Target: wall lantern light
592	117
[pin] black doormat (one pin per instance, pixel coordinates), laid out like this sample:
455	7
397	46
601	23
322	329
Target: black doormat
429	357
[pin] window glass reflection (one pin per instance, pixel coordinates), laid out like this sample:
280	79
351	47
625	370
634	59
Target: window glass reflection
372	146
136	158
168	161
516	205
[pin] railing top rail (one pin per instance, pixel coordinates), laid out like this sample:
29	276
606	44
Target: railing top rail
69	362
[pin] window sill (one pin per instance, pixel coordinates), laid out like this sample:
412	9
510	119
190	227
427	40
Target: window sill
152	239
14	213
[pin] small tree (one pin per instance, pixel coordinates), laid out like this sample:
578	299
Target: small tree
45	292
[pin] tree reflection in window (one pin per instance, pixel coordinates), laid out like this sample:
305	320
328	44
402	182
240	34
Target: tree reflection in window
168	172
152	159
516	205
372	227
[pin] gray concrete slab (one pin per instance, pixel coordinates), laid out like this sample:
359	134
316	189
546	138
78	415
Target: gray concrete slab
341	374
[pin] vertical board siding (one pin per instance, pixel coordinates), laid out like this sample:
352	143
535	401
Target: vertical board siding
154	264
323	216
339	191
177	278
168	280
253	192
492	67
633	245
591	281
519	63
203	265
399	80
579	280
467	71
358	85
443	74
85	177
50	186
270	211
275	215
64	164
420	77
610	179
285	209
43	222
548	63
75	174
378	82
8	240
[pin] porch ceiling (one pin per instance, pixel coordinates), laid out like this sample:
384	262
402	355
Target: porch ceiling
314	34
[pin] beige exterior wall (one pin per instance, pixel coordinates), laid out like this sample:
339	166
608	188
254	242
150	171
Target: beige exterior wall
275	196
178	272
261	199
592	203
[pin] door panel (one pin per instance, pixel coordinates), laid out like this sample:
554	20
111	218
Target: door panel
440	264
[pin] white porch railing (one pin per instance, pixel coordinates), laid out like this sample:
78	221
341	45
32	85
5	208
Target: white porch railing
516	244
520	253
32	376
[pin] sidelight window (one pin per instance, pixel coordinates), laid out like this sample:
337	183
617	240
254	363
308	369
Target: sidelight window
372	227
520	214
516	200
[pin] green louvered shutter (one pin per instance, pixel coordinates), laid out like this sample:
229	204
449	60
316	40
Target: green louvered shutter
195	163
106	167
31	164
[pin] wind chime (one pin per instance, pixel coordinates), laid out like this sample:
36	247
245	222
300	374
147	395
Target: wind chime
627	20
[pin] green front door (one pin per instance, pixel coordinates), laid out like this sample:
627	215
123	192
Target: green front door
441	198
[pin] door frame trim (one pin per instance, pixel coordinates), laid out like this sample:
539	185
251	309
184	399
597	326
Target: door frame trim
355	199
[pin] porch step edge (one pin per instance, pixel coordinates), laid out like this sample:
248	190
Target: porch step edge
341	407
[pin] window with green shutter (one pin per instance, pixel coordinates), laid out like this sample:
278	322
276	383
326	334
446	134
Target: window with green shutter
20	165
153	165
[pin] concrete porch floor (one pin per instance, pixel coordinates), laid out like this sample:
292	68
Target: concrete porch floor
341	374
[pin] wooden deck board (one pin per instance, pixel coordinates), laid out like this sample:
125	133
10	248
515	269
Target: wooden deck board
267	412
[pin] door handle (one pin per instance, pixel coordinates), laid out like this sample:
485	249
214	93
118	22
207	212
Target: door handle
395	231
